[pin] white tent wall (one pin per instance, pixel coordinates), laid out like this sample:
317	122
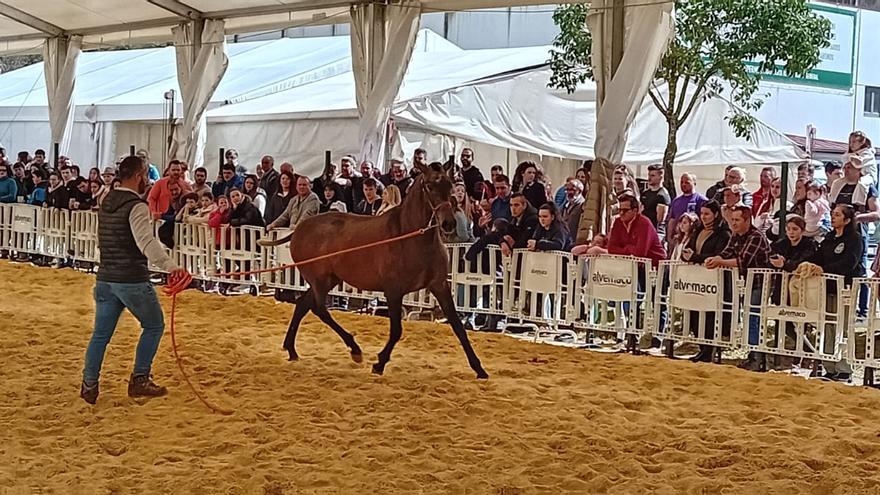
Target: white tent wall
87	140
147	135
300	142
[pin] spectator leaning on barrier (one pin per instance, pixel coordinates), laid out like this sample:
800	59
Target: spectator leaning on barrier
127	247
748	248
551	233
24	186
57	195
793	248
8	186
243	210
632	233
332	199
256	194
841	251
304	205
685	229
710	237
522	226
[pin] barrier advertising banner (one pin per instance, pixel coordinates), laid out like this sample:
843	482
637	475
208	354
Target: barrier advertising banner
540	272
612	278
24	219
695	287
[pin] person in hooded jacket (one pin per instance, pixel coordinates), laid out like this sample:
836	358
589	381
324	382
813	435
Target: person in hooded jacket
243	211
551	234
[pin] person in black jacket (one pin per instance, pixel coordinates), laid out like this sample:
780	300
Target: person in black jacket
522	226
841	254
278	202
793	249
57	195
551	234
243	211
841	251
710	238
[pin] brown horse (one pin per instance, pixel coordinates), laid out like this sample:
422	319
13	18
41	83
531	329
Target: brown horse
395	269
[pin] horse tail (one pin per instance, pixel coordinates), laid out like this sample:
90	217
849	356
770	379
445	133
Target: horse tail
276	242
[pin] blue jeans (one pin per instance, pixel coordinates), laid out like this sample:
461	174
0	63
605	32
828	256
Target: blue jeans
110	299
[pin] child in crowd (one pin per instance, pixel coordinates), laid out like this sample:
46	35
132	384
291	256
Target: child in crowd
817	211
596	246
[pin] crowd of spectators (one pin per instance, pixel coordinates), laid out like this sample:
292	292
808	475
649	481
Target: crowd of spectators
731	225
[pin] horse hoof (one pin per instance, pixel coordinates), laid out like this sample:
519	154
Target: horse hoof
482	375
378	370
293	357
357	357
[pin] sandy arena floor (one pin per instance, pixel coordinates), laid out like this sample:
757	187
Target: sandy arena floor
550	420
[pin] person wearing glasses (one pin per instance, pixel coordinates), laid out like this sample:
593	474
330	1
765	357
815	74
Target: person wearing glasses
632	233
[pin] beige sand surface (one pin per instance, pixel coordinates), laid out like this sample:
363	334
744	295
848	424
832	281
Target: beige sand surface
550	420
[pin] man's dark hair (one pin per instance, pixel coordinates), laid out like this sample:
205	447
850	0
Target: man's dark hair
496	167
369	182
630	198
656	167
40	152
201	169
502	178
39	173
193	196
832	166
227	166
420	150
519	195
745	210
207	194
131	166
18	165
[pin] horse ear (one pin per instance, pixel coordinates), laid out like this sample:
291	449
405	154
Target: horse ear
449	166
425	170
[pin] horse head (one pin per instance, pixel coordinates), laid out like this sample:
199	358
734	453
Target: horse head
436	183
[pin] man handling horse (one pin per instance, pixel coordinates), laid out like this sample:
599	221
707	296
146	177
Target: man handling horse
127	246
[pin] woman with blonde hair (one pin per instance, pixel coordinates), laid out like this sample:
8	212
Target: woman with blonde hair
390	199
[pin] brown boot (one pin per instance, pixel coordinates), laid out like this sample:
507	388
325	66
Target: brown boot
89	393
143	386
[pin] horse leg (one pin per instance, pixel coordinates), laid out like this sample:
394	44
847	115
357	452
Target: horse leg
443	294
320	309
303	305
395	314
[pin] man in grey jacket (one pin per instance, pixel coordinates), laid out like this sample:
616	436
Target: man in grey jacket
304	205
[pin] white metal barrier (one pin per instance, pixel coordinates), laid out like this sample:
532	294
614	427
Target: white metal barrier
614	294
787	315
697	305
478	285
540	288
53	232
863	332
276	256
193	249
5	225
238	251
84	236
23	233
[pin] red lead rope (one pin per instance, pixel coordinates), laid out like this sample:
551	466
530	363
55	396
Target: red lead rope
177	285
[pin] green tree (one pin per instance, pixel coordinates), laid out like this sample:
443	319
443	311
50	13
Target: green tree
723	46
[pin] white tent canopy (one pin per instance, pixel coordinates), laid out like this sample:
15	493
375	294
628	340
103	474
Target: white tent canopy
520	112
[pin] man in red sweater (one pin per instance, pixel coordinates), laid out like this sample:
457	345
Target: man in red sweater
633	234
160	198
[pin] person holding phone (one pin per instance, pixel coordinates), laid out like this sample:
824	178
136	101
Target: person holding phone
793	249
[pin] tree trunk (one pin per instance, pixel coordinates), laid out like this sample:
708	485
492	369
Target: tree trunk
669	179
